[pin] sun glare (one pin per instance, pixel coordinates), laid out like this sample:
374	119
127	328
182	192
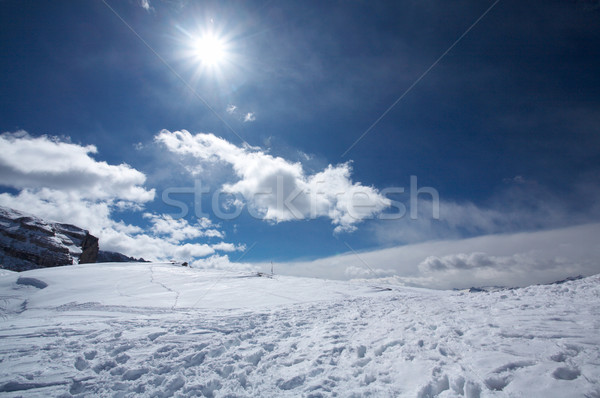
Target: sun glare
210	50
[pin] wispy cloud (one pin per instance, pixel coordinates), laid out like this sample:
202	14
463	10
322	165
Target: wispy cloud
520	204
145	4
240	114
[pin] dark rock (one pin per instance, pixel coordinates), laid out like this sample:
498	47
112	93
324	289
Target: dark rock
114	257
27	242
90	248
568	279
476	290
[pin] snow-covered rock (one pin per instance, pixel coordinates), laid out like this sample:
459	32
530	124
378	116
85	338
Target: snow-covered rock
158	330
28	242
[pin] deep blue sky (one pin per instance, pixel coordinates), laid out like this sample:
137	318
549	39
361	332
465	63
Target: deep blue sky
510	118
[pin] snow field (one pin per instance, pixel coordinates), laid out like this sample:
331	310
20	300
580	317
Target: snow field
121	330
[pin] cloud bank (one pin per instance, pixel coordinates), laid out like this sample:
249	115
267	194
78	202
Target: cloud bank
518	259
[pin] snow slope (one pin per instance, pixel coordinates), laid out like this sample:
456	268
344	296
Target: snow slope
160	330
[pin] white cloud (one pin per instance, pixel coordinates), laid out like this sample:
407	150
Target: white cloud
67	207
228	247
145	4
176	230
278	190
45	162
240	114
507	259
60	181
164	241
222	262
158	248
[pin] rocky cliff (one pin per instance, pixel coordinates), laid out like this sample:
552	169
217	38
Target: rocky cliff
27	242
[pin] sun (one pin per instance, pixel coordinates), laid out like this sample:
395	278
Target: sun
211	53
210	50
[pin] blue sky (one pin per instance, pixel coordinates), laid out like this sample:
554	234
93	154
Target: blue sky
505	127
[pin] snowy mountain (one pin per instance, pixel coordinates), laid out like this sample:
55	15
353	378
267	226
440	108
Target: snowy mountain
161	330
28	242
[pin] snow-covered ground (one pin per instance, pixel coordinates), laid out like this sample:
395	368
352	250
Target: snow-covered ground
161	330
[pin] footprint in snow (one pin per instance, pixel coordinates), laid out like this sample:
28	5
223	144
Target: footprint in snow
292	383
498	382
104	366
570	351
77	387
383	348
361	351
121	359
564	373
514	366
81	364
502	376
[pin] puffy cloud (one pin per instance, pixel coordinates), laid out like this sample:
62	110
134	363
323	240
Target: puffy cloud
228	247
66	207
222	262
46	162
164	241
278	190
177	230
249	117
150	247
60	181
231	109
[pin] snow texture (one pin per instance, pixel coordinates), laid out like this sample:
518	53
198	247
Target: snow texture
159	330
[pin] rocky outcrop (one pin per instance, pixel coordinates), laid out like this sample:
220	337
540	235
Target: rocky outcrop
89	250
27	242
114	257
